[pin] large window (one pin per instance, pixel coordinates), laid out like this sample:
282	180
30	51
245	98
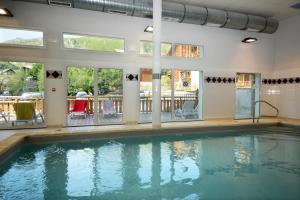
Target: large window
188	51
146	48
21	94
94	43
20	37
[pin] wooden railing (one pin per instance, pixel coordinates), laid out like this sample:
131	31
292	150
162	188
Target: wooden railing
117	101
7	103
145	103
166	102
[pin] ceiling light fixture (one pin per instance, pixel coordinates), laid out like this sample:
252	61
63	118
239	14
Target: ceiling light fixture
249	40
5	12
148	29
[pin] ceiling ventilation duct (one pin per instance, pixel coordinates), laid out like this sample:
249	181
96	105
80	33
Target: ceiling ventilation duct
256	23
66	3
195	15
119	6
236	20
271	27
143	8
96	5
216	17
172	11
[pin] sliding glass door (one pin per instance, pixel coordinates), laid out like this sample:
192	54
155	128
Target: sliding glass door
187	94
110	95
181	95
146	95
95	96
80	96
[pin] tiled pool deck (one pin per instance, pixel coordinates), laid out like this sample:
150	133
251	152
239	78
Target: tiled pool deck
10	138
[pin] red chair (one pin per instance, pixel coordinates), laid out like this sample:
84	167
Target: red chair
79	108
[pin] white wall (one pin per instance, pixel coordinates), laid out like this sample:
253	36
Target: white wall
287	65
224	54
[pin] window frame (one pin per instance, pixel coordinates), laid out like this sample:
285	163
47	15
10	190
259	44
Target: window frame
22	45
145	55
33	61
200	49
91	50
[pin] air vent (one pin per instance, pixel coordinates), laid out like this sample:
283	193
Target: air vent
296	6
60	3
117	12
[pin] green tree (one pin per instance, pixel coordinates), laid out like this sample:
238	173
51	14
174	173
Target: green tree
37	75
16	83
80	79
110	80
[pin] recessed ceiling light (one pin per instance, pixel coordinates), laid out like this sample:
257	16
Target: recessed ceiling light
5	12
249	40
149	29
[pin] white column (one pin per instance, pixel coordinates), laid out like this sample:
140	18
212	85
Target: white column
96	104
156	67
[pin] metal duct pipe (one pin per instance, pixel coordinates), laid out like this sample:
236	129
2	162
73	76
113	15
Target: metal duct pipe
177	12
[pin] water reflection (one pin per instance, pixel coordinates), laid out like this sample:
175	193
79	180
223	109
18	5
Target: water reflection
80	172
179	169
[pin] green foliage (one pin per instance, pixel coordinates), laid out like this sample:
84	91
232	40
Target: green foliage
7	65
21	41
80	79
95	43
110	81
37	74
146	48
17	81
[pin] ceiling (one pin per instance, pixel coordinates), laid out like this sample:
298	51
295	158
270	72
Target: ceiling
278	9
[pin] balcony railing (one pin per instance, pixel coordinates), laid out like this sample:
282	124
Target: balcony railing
6	103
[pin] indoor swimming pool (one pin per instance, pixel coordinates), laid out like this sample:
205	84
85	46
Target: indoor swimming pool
256	163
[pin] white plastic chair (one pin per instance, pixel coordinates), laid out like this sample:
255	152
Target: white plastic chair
187	110
109	108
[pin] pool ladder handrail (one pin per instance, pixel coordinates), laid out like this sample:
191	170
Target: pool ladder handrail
269	104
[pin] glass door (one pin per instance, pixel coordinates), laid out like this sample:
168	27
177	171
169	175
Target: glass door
110	95
146	95
80	96
247	92
85	84
181	95
187	94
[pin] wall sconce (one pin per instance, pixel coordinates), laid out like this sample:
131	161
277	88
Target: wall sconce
148	29
249	40
5	12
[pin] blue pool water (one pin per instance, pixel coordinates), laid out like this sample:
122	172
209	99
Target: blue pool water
250	165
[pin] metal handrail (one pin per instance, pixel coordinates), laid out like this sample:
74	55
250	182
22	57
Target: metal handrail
263	101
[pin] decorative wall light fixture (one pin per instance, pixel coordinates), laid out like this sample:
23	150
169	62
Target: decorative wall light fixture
249	40
5	12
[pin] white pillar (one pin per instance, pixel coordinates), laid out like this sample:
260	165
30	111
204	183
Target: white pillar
96	104
156	67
